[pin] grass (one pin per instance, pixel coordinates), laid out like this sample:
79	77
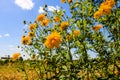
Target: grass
11	71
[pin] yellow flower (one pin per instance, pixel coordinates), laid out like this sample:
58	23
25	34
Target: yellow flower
97	27
97	14
116	72
111	3
57	19
16	55
33	57
105	10
31	34
68	38
41	17
26	40
69	1
64	25
53	40
45	22
33	26
103	4
63	1
76	32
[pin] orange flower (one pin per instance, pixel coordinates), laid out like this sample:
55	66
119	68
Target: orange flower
57	19
64	25
63	1
41	17
76	32
53	40
97	14
31	34
16	55
97	27
26	40
45	22
33	26
69	1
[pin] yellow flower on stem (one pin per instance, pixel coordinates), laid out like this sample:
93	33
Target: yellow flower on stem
33	57
69	1
41	17
76	32
57	19
97	14
64	25
63	1
16	55
45	22
68	38
116	72
53	40
26	40
105	10
33	26
98	27
111	3
31	34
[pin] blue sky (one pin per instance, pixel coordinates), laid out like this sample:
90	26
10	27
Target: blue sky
12	14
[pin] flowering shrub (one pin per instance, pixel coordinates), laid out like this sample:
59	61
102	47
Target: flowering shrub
54	39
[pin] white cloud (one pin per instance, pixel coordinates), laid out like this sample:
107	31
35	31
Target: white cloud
25	4
50	8
41	10
0	36
53	8
7	35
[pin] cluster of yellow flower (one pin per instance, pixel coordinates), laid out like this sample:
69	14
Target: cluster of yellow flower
27	40
105	8
43	20
69	1
54	39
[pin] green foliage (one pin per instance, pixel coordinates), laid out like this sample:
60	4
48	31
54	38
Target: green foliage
103	41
